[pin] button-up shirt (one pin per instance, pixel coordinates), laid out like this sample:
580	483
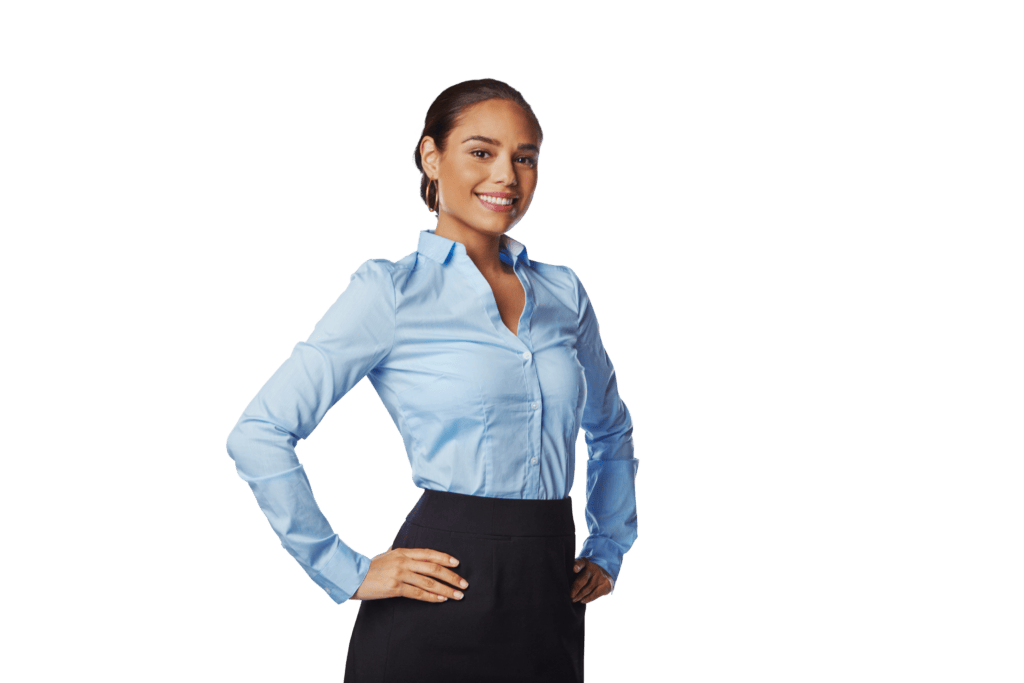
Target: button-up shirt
482	411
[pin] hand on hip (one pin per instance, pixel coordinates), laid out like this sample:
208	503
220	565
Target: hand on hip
417	573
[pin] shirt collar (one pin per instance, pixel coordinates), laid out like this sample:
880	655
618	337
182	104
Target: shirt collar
440	248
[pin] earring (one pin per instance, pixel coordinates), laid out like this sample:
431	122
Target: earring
432	206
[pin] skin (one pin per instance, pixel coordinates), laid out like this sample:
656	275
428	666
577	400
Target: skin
468	166
593	581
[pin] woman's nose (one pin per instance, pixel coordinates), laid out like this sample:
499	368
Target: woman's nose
504	172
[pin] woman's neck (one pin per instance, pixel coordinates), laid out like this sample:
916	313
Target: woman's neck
481	248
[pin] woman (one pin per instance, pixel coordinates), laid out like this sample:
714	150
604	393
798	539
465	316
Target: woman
489	363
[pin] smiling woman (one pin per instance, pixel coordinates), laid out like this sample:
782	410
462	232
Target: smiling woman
489	362
496	172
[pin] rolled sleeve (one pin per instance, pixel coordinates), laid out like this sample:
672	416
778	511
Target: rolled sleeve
352	338
611	466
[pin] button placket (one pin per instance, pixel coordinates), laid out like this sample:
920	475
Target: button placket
532	386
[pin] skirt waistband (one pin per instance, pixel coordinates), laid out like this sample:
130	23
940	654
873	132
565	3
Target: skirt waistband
461	513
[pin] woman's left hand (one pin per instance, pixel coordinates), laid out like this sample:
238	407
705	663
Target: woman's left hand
592	581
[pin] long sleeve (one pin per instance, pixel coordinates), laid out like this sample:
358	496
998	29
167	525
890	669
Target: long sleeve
355	334
611	467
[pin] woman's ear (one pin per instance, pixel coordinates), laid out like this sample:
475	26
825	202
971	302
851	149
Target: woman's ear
429	156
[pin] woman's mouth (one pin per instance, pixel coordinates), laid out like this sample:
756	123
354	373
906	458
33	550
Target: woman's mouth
499	202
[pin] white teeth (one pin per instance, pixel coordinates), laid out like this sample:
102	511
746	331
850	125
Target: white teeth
496	200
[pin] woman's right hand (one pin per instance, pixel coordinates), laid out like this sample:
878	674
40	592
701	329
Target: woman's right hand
417	573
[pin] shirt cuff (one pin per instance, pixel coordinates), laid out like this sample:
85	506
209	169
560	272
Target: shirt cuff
343	573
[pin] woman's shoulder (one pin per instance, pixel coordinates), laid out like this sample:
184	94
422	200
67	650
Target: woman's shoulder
384	269
552	270
556	274
383	277
374	271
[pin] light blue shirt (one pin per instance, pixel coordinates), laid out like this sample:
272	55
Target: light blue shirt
482	411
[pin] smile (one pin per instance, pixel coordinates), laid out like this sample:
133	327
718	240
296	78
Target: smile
499	204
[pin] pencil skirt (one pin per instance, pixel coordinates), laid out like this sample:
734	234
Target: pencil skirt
516	622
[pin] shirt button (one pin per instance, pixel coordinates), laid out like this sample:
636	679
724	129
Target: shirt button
533	460
527	355
534	405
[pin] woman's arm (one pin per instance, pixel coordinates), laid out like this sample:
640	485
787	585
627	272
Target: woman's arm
355	334
611	467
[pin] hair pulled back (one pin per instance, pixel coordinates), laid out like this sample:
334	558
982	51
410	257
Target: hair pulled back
444	114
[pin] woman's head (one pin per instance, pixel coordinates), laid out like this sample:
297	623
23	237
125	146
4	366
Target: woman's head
508	136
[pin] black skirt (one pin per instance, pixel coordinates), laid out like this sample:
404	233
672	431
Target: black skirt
516	622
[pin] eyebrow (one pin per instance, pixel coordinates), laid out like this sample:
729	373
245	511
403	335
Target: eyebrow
492	141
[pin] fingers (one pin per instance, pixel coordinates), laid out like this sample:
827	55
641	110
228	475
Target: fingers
428	555
591	583
580	568
440	573
582	585
424	576
437	591
416	593
592	591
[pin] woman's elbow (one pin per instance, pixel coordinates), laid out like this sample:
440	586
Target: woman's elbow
236	443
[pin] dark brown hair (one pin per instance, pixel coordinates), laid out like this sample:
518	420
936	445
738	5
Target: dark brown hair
444	114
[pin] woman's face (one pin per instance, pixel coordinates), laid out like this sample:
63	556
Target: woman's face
488	171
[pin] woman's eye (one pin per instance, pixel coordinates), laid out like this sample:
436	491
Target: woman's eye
483	154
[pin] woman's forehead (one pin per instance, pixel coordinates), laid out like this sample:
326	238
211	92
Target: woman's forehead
500	121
